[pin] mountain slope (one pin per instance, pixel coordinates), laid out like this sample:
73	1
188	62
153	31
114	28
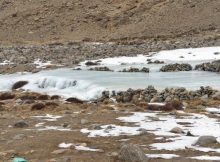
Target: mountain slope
42	21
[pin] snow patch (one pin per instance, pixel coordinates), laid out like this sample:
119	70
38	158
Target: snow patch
83	148
206	157
162	156
48	117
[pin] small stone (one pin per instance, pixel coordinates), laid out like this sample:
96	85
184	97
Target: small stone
83	144
84	121
176	130
60	151
189	134
114	154
20	124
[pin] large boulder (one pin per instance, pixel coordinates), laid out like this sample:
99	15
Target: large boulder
205	141
132	153
19	84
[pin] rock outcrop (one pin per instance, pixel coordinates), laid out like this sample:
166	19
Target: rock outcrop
176	67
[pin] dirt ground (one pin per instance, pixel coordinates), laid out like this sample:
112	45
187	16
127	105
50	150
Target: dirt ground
38	146
25	21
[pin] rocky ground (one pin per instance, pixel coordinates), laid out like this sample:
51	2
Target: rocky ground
67	32
28	131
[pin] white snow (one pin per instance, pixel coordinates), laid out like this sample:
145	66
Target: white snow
190	54
213	110
41	64
114	131
54	128
6	62
84	148
179	55
156	103
48	117
139	59
162	156
78	147
206	157
197	124
65	145
39	124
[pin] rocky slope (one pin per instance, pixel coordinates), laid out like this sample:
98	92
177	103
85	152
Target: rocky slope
26	21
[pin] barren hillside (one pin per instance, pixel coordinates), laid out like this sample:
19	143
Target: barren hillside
43	21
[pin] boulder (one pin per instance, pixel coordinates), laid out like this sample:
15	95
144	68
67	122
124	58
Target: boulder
74	100
132	153
20	124
55	97
169	106
176	130
43	97
19	84
38	106
90	63
205	141
6	96
216	96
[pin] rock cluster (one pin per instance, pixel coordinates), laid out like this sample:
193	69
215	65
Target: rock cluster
176	67
210	66
131	70
150	94
100	69
155	62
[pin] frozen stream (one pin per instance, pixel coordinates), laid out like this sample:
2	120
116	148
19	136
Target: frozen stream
86	84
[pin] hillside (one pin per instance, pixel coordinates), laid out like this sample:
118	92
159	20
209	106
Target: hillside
43	21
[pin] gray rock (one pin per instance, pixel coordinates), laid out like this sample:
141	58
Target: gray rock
132	153
84	121
20	124
216	96
206	141
176	130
